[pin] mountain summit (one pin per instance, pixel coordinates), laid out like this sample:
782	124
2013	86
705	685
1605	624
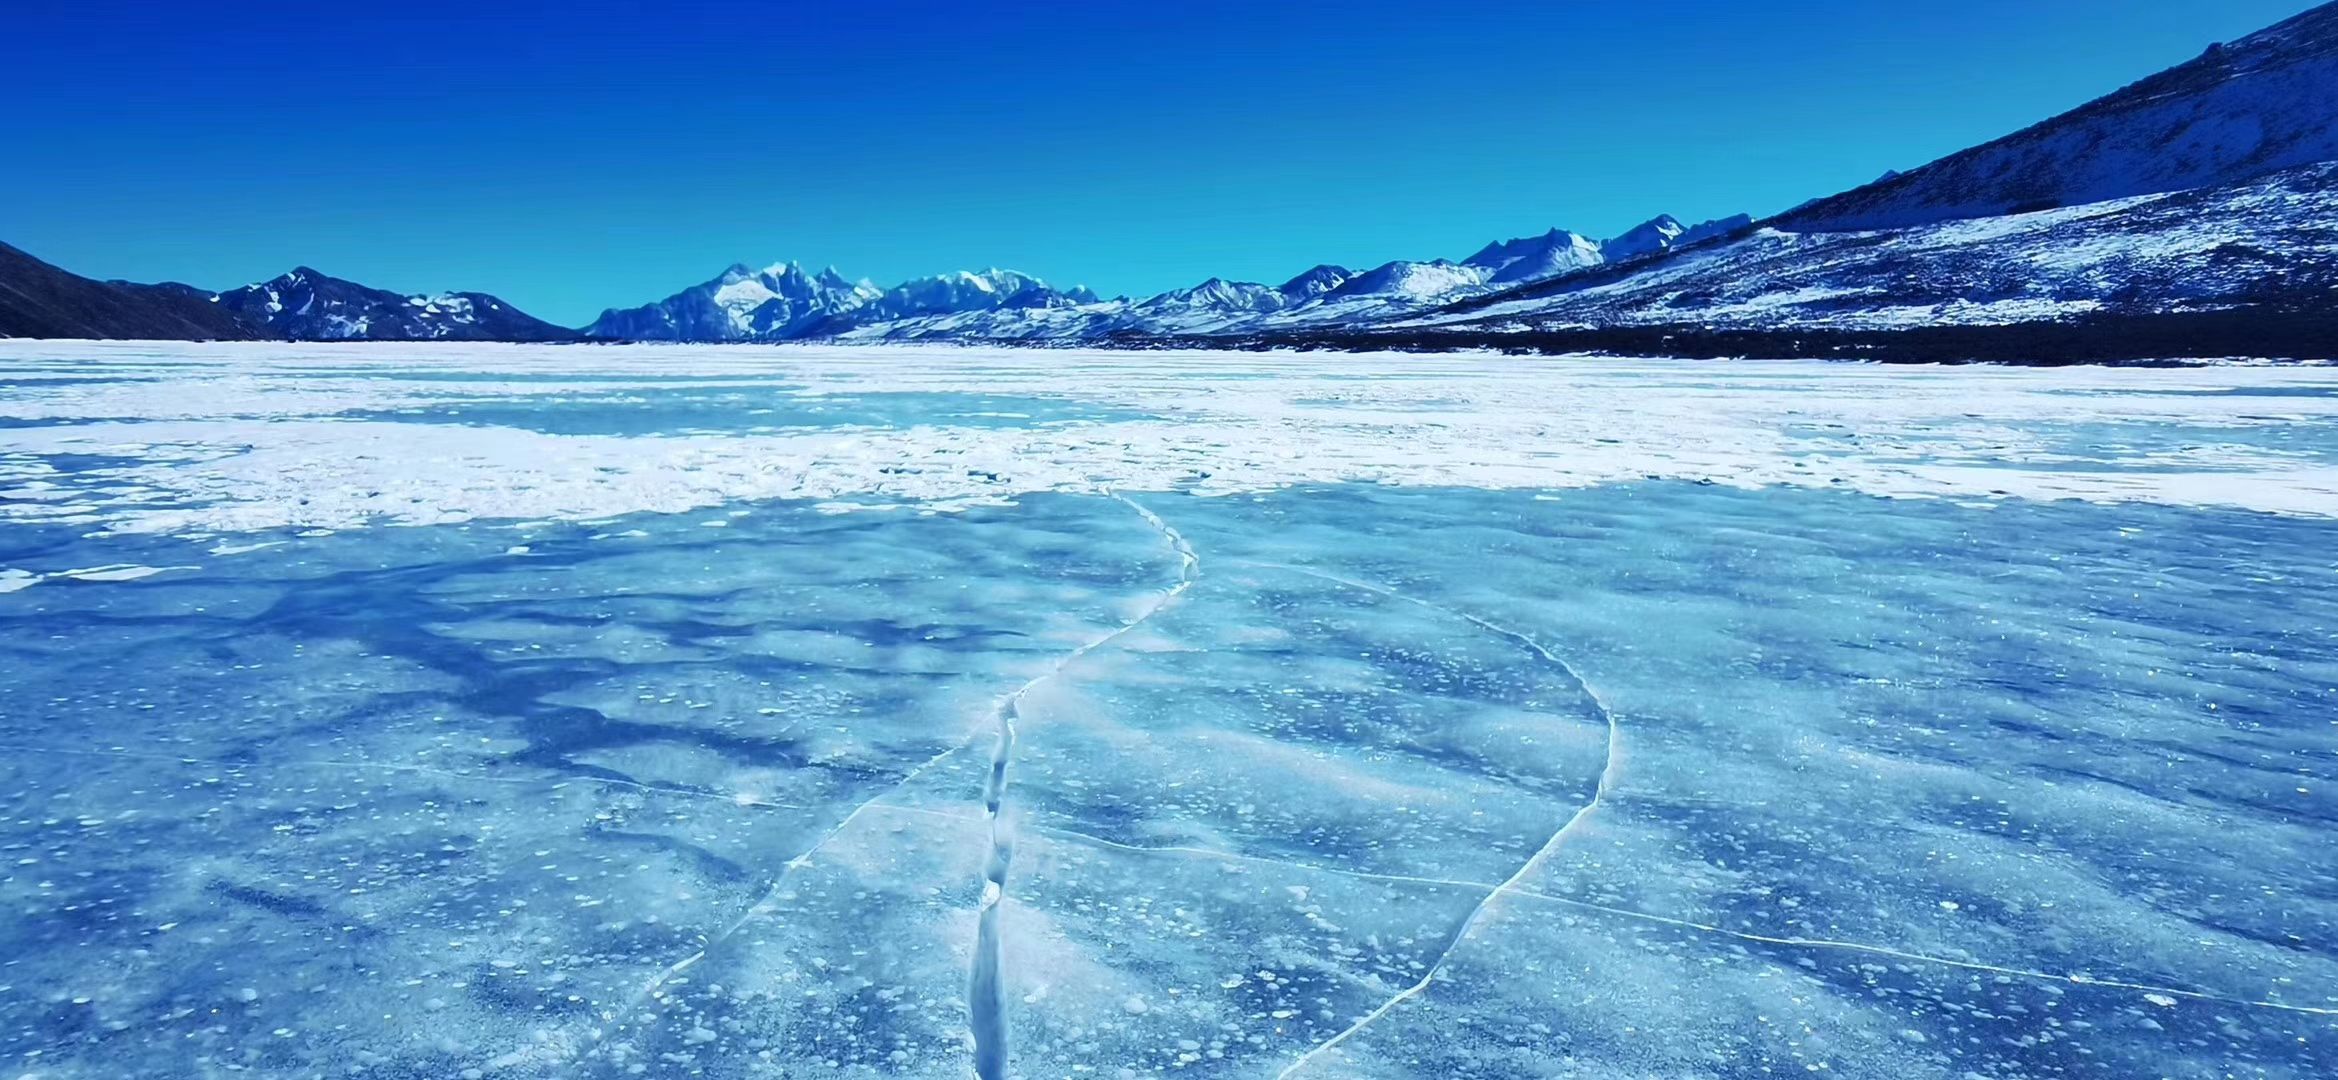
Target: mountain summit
740	304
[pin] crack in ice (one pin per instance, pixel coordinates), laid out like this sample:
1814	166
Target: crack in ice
615	1019
1789	941
1469	923
1189	567
985	996
1001	843
1604	786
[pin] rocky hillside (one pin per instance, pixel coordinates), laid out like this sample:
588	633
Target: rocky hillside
38	300
2240	110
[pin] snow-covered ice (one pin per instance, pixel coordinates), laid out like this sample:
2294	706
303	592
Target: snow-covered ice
391	711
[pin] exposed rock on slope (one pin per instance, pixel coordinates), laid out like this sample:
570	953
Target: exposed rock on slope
2268	101
305	305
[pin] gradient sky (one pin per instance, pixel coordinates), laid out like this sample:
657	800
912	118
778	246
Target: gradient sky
574	156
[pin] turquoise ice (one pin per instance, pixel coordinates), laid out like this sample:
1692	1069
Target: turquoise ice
551	713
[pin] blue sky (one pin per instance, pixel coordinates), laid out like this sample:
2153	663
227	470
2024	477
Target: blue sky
570	157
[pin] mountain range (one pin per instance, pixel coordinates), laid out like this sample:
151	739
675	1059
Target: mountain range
2208	187
305	305
38	300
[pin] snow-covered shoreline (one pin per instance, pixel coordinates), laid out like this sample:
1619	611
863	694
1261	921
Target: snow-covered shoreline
202	439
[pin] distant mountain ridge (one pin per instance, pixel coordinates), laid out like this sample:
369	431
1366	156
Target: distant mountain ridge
2199	189
740	304
782	302
38	300
1324	295
305	305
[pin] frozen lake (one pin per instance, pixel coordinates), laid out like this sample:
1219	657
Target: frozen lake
430	711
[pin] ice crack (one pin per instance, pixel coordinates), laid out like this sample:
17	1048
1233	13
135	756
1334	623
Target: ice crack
987	1012
1787	941
1601	791
986	994
1469	923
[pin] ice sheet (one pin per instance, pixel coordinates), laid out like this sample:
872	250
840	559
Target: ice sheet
1424	735
228	438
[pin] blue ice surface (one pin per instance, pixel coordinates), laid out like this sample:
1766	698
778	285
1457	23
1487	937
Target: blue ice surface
675	406
1656	779
731	410
2108	447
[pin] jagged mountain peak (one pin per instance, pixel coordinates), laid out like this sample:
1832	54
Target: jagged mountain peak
1502	252
1526	258
1220	294
967	291
779	271
1317	280
1412	281
740	304
1648	237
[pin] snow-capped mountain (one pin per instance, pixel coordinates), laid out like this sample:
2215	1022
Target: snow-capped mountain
306	305
1665	232
740	304
1393	290
1214	306
1316	282
1324	296
2268	101
2273	240
1555	252
1406	282
987	290
783	302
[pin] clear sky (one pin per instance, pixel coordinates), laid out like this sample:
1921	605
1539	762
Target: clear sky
579	155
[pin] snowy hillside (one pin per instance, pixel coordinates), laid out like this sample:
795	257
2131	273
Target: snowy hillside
2265	102
2272	240
306	305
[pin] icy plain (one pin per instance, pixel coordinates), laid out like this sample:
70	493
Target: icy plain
495	711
